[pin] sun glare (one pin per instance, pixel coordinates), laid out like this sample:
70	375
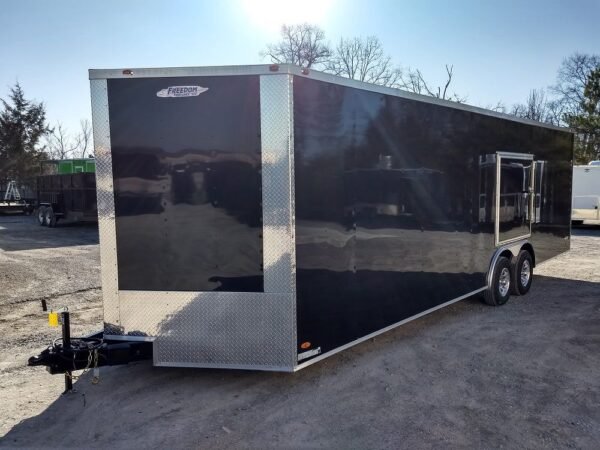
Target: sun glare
272	14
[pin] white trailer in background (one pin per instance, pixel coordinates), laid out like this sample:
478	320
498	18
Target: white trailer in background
586	194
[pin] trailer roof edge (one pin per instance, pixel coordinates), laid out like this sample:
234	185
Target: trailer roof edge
274	69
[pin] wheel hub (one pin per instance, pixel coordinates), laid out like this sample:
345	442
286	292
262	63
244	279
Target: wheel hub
525	273
504	282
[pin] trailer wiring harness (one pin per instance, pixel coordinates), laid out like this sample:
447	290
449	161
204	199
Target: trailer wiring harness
66	355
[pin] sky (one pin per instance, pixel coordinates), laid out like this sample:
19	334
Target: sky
500	50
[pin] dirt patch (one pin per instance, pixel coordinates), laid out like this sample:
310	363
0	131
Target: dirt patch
523	375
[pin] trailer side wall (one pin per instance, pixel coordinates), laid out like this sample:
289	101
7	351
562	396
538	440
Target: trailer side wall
393	207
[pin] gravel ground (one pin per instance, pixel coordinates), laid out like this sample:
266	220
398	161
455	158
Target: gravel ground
523	375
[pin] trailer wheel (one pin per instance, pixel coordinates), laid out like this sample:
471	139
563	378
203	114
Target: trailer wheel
50	217
41	216
499	292
522	273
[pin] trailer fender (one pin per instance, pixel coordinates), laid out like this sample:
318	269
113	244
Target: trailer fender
510	251
527	246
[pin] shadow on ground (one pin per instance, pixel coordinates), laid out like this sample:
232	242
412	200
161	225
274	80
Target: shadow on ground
585	230
523	375
23	233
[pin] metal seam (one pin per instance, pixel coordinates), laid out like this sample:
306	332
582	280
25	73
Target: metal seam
105	204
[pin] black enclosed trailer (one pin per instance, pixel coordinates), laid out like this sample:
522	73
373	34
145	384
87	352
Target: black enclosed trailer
265	217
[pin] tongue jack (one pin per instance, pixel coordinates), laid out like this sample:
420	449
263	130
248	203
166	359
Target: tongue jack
66	341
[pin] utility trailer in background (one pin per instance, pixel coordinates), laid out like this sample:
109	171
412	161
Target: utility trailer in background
67	192
586	194
265	217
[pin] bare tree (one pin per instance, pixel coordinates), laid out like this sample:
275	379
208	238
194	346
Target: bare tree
413	81
356	58
555	112
364	60
571	80
498	107
538	108
83	140
61	145
534	108
303	45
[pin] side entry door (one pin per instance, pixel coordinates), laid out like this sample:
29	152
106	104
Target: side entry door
514	196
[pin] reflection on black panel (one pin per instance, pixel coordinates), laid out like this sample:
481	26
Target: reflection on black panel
395	208
515	185
487	190
397	197
187	184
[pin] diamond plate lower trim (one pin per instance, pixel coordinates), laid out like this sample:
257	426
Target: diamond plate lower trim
214	329
106	206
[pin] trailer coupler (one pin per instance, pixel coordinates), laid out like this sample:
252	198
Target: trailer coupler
67	354
87	352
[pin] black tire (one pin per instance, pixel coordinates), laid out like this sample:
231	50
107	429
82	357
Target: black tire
522	274
41	216
499	293
50	217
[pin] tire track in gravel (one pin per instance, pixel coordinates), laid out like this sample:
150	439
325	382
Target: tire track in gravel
51	296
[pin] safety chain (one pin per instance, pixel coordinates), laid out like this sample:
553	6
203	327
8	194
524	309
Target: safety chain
92	362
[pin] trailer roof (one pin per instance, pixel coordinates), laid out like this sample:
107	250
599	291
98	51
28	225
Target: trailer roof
274	69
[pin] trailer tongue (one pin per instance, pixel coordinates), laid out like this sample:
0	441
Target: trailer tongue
68	354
